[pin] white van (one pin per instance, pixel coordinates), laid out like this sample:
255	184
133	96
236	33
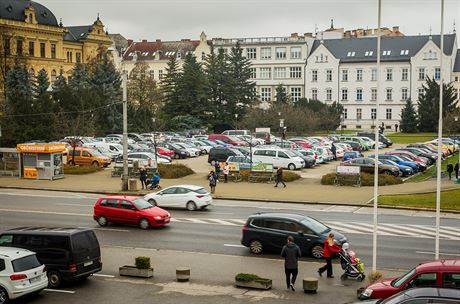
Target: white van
278	157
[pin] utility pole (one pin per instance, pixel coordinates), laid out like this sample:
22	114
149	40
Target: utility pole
155	143
125	130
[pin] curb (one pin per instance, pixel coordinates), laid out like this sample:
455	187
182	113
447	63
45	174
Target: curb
365	205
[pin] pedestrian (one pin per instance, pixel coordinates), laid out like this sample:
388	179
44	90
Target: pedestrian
279	177
456	170
330	247
334	151
226	172
450	169
396	128
217	169
291	254
212	181
143	177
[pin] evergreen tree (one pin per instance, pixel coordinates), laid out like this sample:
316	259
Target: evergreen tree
428	105
281	97
80	77
243	95
43	104
409	120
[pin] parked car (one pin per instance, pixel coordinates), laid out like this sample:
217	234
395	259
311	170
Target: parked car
228	139
418	159
68	253
236	132
303	142
222	144
398	160
403	170
423	295
368	164
21	273
280	158
220	154
129	210
354	145
382	138
286	144
420	165
364	144
432	157
308	160
310	152
87	157
325	153
165	152
269	231
192	151
244	162
351	155
437	273
181	196
179	152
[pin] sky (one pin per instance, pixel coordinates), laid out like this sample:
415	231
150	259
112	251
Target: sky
180	19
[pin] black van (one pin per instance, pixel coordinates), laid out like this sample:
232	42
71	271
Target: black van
68	253
220	154
382	138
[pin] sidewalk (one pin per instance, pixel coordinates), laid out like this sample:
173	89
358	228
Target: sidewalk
303	190
213	275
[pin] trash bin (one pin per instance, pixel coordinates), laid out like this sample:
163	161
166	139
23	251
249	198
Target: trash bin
132	184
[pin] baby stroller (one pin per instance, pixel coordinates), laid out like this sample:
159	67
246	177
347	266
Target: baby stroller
352	266
154	183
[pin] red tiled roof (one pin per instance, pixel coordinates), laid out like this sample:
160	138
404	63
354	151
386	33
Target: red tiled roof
146	50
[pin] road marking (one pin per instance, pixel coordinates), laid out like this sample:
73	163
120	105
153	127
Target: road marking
103	275
234	245
428	252
73	205
45	212
106	229
59	290
222	222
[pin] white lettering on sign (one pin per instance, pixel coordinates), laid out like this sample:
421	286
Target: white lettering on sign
348	170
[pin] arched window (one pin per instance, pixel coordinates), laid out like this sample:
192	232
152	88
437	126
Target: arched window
31	18
53	76
31	73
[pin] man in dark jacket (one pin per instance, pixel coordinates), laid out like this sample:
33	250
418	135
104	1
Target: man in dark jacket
279	177
456	170
291	254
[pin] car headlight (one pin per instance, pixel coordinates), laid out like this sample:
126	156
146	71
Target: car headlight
157	217
367	293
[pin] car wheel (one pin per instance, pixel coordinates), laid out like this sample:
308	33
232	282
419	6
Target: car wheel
191	206
54	279
317	251
144	224
291	167
387	172
153	202
256	247
95	164
3	296
102	221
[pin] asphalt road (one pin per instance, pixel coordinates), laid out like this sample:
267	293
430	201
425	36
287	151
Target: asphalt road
406	237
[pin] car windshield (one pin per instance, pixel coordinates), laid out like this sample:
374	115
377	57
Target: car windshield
103	150
290	153
142	204
314	225
399	281
201	191
25	263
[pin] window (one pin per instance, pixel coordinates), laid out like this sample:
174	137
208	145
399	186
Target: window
430	55
344	94
53	76
78	57
373	113
314	76
179	55
6	240
282	154
296	72
359	94
296	93
404	52
328	94
359	75
389	74
127	206
423	280
351	54
451	280
359	114
152	74
25	263
7	46
373	94
265	73
266	94
389	94
373	74
253	73
314	94
203	56
345	113
42	49
2	265
421	74
85	154
328	75
404	94
280	73
296	52
421	92
53	50
280	52
19	47
160	74
388	113
265	53
31	48
386	53
405	74
437	73
344	75
170	191
251	53
457	78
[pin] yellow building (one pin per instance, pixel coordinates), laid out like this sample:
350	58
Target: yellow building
32	33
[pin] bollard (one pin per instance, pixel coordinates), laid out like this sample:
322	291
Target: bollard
183	274
310	285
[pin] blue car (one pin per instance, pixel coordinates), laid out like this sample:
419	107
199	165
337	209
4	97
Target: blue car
222	144
404	170
399	161
351	155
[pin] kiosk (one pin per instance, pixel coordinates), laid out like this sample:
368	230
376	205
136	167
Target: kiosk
42	161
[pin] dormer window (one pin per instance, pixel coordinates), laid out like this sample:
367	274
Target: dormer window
179	55
404	52
368	53
386	53
351	54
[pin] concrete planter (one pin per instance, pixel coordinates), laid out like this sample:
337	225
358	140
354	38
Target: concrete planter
265	285
182	274
310	285
132	271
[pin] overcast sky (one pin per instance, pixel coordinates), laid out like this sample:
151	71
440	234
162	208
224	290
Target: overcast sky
177	19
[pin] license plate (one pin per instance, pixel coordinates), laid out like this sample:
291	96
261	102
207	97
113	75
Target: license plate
88	264
36	279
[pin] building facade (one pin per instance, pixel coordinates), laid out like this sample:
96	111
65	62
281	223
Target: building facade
456	77
31	32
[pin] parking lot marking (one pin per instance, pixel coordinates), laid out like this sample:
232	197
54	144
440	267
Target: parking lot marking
59	290
234	245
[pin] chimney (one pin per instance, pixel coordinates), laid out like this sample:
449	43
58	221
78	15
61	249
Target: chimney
347	34
158	40
294	35
368	32
395	28
130	41
144	40
308	35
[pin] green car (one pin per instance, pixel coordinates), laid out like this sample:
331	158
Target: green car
364	144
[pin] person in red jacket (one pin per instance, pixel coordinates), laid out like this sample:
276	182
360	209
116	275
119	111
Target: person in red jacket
330	247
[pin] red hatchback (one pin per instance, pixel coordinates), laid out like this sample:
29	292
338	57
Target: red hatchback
130	210
164	151
438	273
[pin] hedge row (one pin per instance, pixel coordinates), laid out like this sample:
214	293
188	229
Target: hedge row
366	180
170	171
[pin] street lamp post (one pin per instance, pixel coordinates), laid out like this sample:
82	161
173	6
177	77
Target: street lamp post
455	144
342	120
236	120
125	131
155	142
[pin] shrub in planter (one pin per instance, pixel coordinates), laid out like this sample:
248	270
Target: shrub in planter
142	262
79	170
170	171
374	276
288	176
366	180
252	281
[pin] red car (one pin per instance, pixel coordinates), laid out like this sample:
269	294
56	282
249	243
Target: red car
438	273
228	139
164	151
130	210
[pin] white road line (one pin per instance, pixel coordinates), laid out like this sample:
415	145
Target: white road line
195	221
234	245
391	230
432	230
428	252
241	222
45	212
103	275
60	290
37	195
106	229
74	205
222	222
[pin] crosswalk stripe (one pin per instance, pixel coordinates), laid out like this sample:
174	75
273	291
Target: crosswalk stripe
356	227
393	231
223	222
432	231
414	231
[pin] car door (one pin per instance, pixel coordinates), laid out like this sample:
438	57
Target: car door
368	165
428	279
85	158
165	198
275	234
181	197
451	280
283	159
128	212
302	235
110	210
